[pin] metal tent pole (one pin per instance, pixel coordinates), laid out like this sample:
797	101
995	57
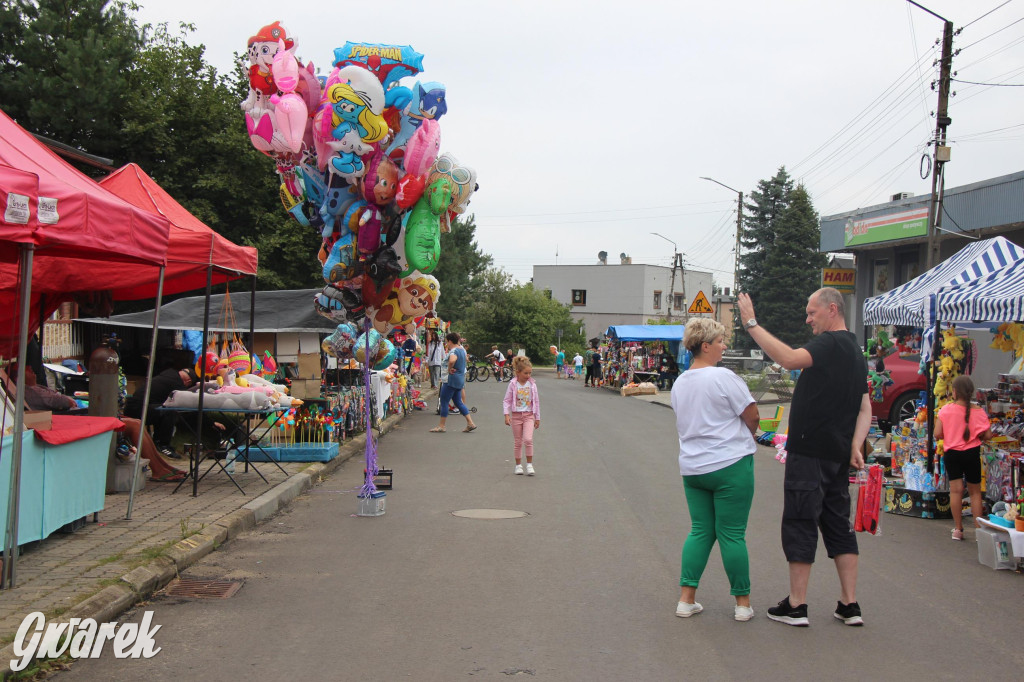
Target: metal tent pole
9	575
145	401
202	384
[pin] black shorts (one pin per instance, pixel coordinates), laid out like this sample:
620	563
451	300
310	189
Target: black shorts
963	464
817	496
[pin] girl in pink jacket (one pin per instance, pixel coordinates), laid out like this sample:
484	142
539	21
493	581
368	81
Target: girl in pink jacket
522	412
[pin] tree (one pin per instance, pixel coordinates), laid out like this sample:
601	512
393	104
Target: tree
64	67
506	313
461	270
782	263
793	270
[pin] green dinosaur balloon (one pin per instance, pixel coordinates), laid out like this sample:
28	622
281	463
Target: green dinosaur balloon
423	229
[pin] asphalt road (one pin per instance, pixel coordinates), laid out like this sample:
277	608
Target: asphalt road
584	588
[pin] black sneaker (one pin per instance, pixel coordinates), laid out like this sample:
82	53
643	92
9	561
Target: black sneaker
849	613
168	452
790	615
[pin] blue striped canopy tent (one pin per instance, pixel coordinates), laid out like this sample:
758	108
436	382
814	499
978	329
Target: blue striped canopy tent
913	304
998	297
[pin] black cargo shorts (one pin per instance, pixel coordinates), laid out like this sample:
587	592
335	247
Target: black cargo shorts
817	496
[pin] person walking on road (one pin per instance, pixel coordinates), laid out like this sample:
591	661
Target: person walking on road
451	390
595	367
559	363
577	361
435	357
962	428
522	412
716	418
829	421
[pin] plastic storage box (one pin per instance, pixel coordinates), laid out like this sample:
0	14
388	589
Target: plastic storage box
994	549
373	504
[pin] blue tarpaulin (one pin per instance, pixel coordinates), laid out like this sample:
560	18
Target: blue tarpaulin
645	332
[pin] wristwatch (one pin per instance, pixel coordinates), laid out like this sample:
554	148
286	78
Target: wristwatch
752	322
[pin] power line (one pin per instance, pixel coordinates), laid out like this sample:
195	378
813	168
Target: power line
611	220
991	85
609	210
1013	23
860	115
985	14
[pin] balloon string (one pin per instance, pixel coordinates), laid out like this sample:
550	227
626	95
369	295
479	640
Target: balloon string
371	444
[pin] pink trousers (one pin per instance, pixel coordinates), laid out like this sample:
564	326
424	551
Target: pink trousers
522	432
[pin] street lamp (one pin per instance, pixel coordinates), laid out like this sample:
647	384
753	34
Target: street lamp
739	229
676	261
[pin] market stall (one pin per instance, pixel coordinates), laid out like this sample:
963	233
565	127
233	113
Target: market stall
61	234
982	285
629	361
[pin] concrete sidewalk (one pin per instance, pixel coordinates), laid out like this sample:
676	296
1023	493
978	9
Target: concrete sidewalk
101	570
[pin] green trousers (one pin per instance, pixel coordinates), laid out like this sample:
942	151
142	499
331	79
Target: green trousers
719	504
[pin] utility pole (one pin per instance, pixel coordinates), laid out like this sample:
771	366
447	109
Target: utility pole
676	260
940	154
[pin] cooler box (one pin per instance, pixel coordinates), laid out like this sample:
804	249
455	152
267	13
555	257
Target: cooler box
994	549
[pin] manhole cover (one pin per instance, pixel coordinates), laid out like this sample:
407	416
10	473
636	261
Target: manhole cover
489	514
204	589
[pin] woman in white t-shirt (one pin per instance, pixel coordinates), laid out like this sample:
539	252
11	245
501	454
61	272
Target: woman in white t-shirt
716	418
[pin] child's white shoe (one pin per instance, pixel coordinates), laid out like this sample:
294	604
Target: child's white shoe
529	470
519	470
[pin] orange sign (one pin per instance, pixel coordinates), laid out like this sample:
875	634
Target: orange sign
700	305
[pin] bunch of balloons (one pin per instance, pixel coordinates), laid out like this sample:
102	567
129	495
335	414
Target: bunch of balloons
358	154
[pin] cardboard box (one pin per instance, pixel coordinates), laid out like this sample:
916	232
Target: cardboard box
39	420
309	366
905	502
647	388
305	388
629	390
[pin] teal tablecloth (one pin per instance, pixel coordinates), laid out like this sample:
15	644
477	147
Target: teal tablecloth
59	483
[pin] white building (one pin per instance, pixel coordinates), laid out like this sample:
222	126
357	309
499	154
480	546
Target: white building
603	295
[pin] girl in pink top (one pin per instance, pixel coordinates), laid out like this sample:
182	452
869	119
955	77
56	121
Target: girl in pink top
963	427
522	412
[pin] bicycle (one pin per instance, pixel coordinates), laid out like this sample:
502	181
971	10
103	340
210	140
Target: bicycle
475	372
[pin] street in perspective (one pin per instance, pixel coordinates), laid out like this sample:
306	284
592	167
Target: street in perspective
577	581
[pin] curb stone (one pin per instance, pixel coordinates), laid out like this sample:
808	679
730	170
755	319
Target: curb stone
143	581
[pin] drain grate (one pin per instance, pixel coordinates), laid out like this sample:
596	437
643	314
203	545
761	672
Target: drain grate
204	589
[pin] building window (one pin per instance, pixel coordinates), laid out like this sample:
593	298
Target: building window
579	296
678	302
657	300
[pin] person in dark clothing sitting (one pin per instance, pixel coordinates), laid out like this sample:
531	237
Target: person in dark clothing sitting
668	370
164	383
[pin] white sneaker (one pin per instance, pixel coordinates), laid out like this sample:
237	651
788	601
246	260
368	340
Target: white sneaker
743	613
684	610
519	470
529	470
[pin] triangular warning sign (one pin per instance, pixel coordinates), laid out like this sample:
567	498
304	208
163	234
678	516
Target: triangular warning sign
700	305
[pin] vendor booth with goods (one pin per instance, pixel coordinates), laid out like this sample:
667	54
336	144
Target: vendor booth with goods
640	358
982	286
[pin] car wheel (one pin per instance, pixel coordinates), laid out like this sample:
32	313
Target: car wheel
904	407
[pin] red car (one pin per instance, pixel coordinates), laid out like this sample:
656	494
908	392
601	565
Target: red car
899	398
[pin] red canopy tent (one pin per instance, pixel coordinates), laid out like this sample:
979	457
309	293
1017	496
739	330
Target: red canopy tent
70	219
192	249
196	257
60	234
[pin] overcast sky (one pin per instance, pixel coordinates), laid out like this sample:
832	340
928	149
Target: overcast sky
590	123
